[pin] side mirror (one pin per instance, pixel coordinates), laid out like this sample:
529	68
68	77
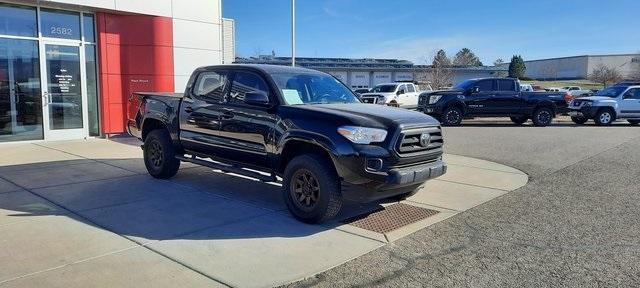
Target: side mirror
256	98
475	90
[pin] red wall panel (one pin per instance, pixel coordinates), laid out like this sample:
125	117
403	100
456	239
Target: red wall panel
136	55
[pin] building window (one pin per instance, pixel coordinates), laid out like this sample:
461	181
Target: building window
92	90
18	21
60	24
88	28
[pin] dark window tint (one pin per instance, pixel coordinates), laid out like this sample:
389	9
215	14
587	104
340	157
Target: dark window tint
410	88
507	85
632	94
87	25
210	86
60	24
244	82
18	21
485	85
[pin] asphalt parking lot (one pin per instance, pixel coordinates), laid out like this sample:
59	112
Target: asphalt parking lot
576	224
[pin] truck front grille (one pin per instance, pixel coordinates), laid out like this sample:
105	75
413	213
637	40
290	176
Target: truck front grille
413	143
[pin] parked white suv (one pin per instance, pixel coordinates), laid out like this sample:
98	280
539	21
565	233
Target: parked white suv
403	95
615	102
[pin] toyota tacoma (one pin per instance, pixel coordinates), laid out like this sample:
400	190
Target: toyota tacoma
299	125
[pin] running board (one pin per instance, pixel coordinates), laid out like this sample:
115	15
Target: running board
229	168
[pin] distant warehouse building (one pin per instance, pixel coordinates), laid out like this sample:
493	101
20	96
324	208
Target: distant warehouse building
578	67
365	73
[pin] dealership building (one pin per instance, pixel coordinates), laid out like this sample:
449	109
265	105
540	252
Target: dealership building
579	67
67	67
368	72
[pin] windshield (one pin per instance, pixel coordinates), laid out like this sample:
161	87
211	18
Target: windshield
298	89
464	85
612	91
384	88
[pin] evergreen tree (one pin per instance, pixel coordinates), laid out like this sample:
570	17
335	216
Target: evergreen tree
441	59
517	67
466	57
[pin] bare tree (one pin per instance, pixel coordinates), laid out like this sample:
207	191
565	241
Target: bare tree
605	75
439	73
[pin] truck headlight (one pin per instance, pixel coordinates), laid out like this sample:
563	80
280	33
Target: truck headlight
362	135
434	98
382	100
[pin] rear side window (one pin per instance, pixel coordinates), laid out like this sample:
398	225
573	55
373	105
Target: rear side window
509	85
485	85
210	86
244	82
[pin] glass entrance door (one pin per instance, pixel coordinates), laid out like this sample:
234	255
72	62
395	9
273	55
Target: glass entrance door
63	94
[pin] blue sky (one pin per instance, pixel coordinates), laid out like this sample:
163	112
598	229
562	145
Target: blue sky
415	29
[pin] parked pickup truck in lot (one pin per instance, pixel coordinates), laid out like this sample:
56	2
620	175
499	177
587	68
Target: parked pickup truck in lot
621	101
404	95
301	125
493	97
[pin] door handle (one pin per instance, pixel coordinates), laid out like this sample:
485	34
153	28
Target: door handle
188	109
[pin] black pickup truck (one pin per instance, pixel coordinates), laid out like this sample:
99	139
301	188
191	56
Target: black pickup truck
493	97
301	125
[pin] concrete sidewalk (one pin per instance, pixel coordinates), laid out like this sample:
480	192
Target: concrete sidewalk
85	213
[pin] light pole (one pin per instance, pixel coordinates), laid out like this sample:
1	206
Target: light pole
293	33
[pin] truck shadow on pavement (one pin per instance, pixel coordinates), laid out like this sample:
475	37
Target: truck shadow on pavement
118	196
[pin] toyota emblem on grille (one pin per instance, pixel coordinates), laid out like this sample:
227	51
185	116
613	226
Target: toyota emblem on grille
425	139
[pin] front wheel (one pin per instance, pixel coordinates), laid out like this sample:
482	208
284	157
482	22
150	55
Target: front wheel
542	117
604	117
579	119
159	155
634	122
518	120
311	189
452	116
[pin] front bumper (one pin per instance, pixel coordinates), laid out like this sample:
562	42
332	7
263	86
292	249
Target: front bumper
433	110
588	112
367	186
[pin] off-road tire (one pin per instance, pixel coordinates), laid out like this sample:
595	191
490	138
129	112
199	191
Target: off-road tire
159	155
579	120
452	116
518	120
542	117
604	117
328	200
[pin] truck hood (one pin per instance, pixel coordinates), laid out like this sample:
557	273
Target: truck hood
595	98
376	94
369	115
447	92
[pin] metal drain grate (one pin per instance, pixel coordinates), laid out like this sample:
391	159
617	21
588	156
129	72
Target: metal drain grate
391	218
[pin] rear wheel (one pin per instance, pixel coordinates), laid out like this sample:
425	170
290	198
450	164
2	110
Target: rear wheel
452	116
634	122
311	189
542	117
159	155
604	117
579	119
518	120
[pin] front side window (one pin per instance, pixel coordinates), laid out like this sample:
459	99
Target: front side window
312	88
410	88
632	94
210	86
244	82
60	24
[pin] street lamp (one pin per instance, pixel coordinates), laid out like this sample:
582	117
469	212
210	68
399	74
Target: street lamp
293	33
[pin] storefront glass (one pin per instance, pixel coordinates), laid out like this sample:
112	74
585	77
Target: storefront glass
42	73
20	95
